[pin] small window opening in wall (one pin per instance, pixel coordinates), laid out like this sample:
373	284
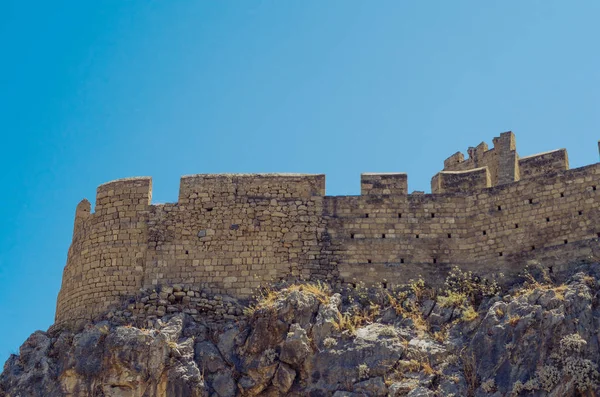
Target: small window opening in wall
547	219
384	285
401	260
432	215
434	260
533	247
368	261
352	235
516	225
566	241
484	232
593	187
562	194
530	201
580	212
209	209
416	236
449	235
383	235
354	285
399	215
187	252
366	215
598	234
550	269
499	208
500	254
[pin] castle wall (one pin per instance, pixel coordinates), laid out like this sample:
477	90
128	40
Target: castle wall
383	184
392	239
501	161
105	260
461	181
229	234
543	163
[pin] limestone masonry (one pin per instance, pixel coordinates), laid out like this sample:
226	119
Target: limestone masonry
230	233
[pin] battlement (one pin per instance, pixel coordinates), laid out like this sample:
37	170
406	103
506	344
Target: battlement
230	233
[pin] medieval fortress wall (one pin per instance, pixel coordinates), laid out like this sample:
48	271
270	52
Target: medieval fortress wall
493	212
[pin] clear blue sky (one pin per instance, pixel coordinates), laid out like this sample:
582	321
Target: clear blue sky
93	91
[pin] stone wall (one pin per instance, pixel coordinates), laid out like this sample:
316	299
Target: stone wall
229	234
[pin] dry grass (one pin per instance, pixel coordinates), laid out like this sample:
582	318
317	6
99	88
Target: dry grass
514	320
499	312
426	367
268	296
320	290
442	335
470	371
469	314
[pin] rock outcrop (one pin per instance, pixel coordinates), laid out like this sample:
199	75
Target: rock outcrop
539	338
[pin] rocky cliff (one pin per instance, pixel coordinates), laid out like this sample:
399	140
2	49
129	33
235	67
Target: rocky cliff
471	338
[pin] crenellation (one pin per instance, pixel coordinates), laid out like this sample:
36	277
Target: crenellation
231	233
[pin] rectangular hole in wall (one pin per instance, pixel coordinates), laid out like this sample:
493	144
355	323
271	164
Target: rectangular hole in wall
449	235
416	236
533	247
530	201
352	235
593	187
384	285
434	260
516	225
383	235
500	254
366	215
432	215
484	232
401	260
547	219
598	234
209	209
580	212
566	241
368	261
499	208
399	215
562	194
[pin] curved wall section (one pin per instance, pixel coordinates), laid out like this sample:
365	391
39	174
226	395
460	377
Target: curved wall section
105	260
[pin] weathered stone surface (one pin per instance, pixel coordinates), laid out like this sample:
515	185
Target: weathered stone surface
539	340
